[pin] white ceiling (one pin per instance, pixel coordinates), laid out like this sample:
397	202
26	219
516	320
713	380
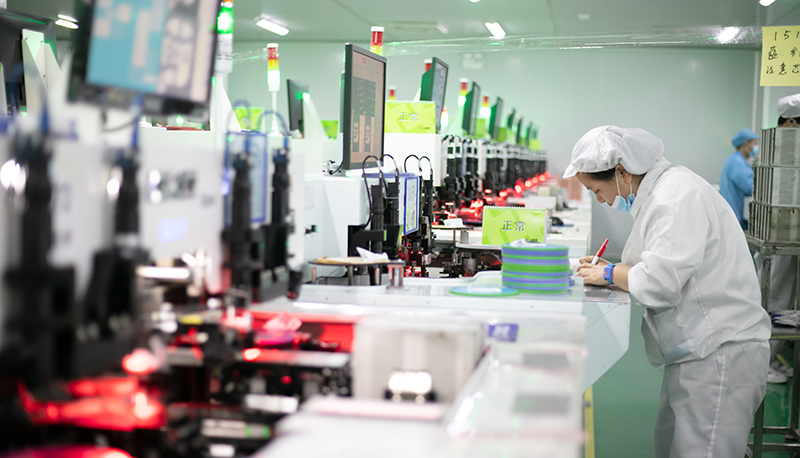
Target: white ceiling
349	20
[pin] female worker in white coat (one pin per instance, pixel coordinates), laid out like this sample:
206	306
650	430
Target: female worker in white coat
687	262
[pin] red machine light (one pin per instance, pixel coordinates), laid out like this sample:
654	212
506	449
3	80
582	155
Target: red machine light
114	454
70	451
139	362
103	386
286	380
251	354
487	191
143	409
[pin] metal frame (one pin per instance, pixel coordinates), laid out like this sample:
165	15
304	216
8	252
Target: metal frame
791	433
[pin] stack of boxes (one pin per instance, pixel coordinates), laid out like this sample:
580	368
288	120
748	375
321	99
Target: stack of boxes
775	210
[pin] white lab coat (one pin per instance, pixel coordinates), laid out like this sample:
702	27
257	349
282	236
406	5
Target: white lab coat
691	270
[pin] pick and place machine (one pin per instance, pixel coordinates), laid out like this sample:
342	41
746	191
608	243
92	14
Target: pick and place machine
225	292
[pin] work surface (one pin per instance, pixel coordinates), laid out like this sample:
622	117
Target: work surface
312	432
607	312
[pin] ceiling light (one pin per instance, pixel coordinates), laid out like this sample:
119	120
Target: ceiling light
584	17
67	18
474	1
766	2
496	30
727	34
67	24
265	23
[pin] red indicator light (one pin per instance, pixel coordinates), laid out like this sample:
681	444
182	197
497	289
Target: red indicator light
139	362
286	380
251	354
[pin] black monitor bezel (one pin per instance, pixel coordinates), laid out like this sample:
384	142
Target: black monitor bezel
426	88
471	109
528	134
511	118
494	119
296	114
112	97
347	90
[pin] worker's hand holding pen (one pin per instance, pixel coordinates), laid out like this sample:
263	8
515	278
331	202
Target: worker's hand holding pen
591	267
592	273
588	260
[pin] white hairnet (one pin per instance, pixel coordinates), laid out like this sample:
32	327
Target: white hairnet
602	148
789	106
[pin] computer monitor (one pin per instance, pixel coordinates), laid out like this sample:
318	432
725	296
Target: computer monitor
471	109
510	121
494	120
163	50
519	131
11	26
529	134
297	91
363	103
434	83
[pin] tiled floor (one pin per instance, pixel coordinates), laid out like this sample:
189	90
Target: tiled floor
626	402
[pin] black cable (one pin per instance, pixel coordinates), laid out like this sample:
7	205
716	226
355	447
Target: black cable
126	125
405	162
430	164
337	169
138	100
366	185
396	179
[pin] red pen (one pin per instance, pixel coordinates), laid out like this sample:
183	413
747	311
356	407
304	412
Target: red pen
600	252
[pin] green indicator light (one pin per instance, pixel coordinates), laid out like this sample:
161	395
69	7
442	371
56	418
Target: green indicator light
225	19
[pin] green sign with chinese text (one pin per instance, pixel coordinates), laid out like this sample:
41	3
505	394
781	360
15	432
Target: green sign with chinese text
506	224
410	118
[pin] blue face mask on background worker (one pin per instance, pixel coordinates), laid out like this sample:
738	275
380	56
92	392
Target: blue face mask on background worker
620	203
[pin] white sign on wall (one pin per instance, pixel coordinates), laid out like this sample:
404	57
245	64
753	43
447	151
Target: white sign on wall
472	61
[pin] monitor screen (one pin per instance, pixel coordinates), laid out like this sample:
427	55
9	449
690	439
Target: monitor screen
11	25
164	50
529	134
494	119
363	104
434	84
510	121
471	109
297	91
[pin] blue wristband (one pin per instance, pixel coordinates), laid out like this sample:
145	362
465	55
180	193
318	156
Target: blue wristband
608	273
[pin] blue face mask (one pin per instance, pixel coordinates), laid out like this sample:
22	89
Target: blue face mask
621	204
755	151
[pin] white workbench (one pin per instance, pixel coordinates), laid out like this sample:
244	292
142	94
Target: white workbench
597	318
607	319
